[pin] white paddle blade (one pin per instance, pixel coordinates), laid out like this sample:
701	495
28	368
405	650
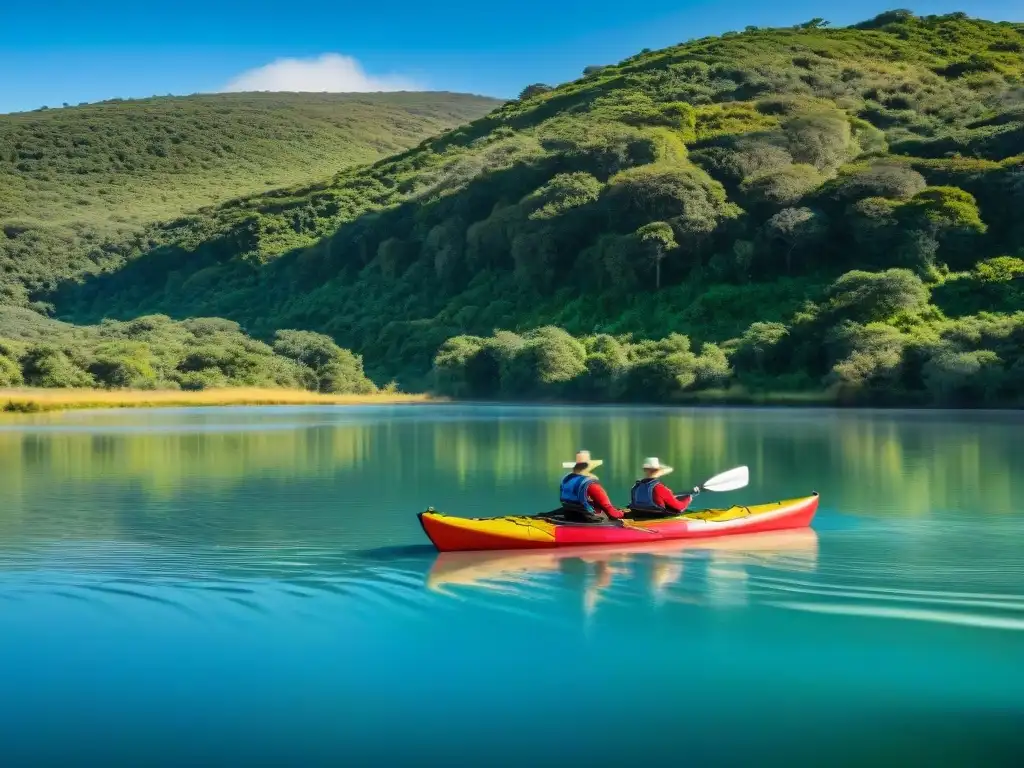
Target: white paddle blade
730	480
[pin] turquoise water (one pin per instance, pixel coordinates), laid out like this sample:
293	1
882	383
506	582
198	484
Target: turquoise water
251	587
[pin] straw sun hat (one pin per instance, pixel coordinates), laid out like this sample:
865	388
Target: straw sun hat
583	457
660	470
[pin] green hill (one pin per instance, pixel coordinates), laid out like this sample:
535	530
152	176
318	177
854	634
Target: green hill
779	209
73	178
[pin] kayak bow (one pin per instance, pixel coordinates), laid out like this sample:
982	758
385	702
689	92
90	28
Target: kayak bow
454	534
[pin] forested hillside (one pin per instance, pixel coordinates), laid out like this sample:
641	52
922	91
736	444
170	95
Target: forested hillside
803	209
72	179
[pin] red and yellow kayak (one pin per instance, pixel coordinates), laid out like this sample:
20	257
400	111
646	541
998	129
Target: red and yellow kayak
458	534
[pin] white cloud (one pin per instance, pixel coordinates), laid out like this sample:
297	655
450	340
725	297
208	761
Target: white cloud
331	72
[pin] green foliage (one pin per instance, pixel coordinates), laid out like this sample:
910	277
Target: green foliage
957	377
783	186
336	369
878	180
10	372
156	352
866	296
536	89
45	365
548	362
871	360
1001	269
656	238
784	200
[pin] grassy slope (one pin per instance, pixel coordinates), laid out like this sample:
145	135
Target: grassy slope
534	213
71	178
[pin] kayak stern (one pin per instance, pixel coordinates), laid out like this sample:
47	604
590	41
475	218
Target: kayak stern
456	534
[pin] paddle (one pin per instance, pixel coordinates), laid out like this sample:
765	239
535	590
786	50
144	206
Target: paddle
730	480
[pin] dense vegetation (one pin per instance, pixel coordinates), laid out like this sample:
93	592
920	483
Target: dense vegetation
154	352
71	179
780	209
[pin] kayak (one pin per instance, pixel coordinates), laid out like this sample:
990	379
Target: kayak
794	550
461	534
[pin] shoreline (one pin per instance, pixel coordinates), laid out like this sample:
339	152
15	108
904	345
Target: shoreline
43	400
28	400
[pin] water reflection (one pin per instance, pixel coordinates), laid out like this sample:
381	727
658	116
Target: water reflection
492	460
262	571
710	572
908	463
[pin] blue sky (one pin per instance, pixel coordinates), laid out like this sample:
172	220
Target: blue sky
54	51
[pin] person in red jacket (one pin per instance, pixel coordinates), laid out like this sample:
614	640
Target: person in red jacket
651	497
580	493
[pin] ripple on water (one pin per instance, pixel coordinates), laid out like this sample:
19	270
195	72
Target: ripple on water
193	581
944	572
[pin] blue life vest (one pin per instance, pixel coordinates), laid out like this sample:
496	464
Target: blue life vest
641	497
573	493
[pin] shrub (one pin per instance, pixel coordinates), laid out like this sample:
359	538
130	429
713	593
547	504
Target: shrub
867	296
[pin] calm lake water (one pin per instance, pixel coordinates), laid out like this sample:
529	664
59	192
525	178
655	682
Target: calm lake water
250	586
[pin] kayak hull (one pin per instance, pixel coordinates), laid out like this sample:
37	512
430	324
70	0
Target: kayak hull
460	534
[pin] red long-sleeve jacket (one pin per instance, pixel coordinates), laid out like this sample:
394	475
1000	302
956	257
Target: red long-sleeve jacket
663	495
597	496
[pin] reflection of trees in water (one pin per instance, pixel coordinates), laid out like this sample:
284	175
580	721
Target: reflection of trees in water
97	485
906	464
273	477
160	461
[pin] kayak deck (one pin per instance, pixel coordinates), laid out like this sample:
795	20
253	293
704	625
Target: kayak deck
453	534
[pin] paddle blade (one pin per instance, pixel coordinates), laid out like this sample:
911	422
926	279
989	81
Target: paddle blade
730	480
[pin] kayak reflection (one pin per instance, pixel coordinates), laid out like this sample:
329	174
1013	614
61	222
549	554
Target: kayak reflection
724	563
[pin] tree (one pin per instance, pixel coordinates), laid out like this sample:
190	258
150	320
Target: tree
548	359
45	365
870	296
950	217
873	225
657	239
534	90
968	377
712	367
607	364
593	69
871	359
452	366
10	373
758	348
822	138
881	180
660	377
783	186
337	370
796	228
944	209
562	193
686	197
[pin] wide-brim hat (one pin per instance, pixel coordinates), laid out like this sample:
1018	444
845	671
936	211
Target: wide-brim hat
660	470
583	457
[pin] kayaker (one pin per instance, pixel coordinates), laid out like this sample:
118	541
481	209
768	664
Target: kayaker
650	496
581	494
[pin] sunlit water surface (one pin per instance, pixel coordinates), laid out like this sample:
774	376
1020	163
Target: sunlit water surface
251	587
